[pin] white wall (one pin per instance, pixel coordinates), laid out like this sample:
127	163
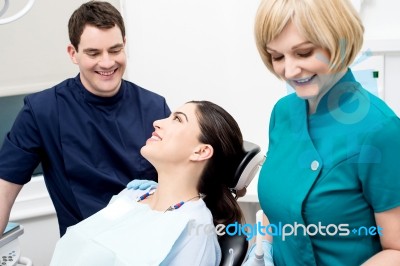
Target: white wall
33	49
202	49
381	19
205	49
382	33
39	238
34	210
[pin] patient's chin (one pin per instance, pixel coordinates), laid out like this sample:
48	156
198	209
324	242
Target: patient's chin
143	151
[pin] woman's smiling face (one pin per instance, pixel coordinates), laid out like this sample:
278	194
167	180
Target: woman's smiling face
303	65
174	138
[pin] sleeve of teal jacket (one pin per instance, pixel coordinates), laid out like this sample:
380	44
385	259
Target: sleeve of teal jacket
379	166
271	127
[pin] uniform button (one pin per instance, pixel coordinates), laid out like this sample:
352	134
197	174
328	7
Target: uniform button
314	165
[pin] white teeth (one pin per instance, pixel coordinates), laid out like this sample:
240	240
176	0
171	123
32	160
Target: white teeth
304	80
109	73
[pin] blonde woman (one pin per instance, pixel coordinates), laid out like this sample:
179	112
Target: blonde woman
331	177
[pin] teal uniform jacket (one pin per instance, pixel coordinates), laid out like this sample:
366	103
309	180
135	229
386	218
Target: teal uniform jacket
326	174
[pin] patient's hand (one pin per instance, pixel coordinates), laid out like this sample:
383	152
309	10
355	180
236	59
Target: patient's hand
141	184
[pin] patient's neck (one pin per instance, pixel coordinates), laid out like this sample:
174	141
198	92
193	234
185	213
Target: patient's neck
172	190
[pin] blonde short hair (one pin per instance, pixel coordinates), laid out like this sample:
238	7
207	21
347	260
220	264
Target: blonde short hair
333	25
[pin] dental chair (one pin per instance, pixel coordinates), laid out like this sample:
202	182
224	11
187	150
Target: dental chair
234	248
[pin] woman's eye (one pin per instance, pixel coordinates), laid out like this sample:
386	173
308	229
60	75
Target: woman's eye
276	58
305	54
177	118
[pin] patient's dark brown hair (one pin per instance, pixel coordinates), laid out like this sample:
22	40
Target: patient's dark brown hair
220	130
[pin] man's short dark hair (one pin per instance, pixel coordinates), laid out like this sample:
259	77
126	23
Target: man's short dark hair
99	14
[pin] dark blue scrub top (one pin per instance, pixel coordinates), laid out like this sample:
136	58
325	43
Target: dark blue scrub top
89	146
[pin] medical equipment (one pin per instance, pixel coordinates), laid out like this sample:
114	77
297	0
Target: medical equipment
259	250
10	254
258	259
260	253
248	167
16	16
234	247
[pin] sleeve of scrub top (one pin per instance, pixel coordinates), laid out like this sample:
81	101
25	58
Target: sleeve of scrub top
379	166
19	156
271	127
272	119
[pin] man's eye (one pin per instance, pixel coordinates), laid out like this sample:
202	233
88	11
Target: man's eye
115	51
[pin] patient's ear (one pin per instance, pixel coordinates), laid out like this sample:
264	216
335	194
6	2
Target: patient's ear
202	152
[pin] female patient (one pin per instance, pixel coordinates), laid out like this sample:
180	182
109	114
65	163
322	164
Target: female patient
195	152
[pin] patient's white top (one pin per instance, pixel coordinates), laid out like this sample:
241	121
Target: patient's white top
130	233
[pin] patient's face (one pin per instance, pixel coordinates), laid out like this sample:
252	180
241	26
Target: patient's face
174	138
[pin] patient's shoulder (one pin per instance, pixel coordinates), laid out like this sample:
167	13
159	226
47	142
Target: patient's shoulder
198	212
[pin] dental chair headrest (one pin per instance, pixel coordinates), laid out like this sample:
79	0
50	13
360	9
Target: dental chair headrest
248	167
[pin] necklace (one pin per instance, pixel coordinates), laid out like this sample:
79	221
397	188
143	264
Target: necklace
170	208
